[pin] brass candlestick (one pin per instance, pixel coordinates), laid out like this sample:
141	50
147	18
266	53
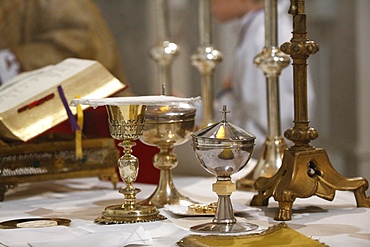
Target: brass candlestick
271	61
306	170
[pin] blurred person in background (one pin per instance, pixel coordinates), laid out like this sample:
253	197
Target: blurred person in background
36	33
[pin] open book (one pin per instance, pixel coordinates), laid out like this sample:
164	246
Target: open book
30	104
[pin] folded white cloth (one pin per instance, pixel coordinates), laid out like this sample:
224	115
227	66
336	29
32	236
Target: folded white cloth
135	100
52	237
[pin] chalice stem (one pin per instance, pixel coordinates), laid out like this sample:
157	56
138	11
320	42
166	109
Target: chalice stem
130	197
127	148
128	166
166	192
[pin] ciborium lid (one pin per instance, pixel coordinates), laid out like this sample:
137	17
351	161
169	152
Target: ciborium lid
223	134
170	113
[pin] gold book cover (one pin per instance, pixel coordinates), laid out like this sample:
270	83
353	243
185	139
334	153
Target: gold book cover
31	104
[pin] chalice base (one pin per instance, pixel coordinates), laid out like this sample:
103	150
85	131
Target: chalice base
166	193
224	228
117	215
305	173
162	197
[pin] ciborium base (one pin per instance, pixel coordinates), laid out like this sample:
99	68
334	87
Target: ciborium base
224	221
224	228
116	214
305	173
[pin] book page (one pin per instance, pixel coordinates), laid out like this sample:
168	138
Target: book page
31	84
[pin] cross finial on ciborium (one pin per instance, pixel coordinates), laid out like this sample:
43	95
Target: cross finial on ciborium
224	112
305	170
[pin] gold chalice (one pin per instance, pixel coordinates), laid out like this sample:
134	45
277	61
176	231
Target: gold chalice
126	124
126	116
167	126
223	149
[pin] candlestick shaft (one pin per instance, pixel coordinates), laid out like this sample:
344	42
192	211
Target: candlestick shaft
205	28
164	51
300	48
270	10
162	20
206	60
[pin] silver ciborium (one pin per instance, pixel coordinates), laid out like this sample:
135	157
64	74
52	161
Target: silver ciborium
223	149
167	126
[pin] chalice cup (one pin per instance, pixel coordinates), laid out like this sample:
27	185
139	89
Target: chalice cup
223	149
167	126
126	124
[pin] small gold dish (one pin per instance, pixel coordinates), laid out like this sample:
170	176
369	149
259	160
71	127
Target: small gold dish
34	223
203	208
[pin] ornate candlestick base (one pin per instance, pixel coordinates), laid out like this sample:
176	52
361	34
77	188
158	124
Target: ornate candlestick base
304	174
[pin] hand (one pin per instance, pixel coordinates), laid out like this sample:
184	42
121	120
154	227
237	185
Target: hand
9	66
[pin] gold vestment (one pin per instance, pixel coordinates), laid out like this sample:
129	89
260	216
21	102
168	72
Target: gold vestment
44	32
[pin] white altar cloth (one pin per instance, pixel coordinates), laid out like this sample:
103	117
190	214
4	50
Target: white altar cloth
336	223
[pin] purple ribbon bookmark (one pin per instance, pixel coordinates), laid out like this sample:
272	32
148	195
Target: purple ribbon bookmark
72	119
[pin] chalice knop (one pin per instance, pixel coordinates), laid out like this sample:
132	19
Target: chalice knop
223	149
167	126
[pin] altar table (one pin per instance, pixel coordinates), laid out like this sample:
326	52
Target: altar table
336	223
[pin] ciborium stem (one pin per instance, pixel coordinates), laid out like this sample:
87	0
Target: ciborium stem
224	212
